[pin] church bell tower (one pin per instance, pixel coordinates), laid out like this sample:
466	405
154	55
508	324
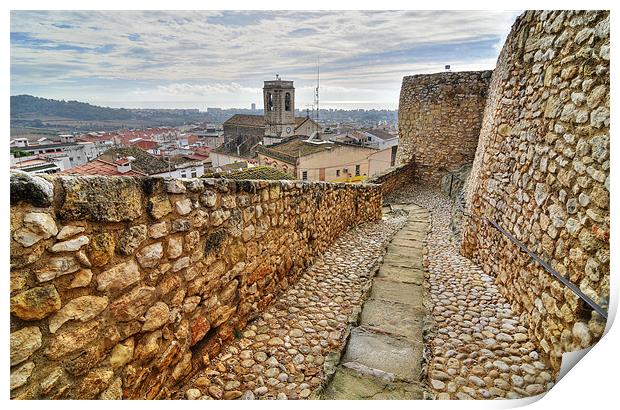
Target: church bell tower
279	103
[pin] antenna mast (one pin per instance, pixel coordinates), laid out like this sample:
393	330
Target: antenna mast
316	92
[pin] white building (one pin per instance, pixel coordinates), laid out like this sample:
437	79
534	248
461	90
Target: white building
75	152
380	139
40	164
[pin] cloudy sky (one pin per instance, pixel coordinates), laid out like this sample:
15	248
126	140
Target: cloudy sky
199	59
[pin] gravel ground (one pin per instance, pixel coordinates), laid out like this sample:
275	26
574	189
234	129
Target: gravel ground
479	348
281	354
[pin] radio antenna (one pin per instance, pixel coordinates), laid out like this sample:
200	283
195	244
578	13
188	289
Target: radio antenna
316	92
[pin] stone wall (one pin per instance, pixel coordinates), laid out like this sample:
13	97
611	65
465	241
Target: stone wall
393	178
542	172
122	287
439	118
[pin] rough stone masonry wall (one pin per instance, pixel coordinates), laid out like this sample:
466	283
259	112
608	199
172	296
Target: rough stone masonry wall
121	287
439	118
393	178
542	172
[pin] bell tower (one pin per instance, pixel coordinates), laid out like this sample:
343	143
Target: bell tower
279	105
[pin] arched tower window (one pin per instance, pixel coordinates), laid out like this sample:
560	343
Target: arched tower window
269	102
287	102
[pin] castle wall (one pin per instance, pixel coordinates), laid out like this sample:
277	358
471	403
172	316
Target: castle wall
122	287
542	172
439	118
394	178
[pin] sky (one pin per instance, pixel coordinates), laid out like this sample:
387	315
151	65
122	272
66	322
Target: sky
200	59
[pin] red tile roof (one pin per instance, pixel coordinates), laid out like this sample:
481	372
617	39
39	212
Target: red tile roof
144	144
98	167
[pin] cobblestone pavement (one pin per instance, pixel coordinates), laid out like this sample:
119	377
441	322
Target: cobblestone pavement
479	348
281	354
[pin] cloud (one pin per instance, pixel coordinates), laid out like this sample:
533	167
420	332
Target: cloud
302	32
216	55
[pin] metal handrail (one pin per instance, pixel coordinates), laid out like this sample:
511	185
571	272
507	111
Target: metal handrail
566	282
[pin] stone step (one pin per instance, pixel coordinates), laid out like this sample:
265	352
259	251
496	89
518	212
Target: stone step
419	238
402	260
415	231
402	358
415	225
348	384
397	319
400	274
405	293
408	242
410	252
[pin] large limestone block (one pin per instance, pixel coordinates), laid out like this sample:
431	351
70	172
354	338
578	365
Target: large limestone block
101	199
401	358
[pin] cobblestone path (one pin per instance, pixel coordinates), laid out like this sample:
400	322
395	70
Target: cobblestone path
479	348
282	353
384	355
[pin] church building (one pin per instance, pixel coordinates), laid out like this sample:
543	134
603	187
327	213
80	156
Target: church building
244	133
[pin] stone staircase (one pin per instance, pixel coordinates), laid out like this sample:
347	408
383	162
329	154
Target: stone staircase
383	358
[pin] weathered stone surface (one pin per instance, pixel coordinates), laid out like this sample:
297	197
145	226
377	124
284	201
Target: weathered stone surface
175	186
180	225
148	309
248	233
133	304
131	239
118	277
94	383
561	160
192	240
68	231
159	230
36	226
183	206
53	380
114	390
74	339
156	316
199	328
349	385
149	256
57	266
20	375
192	394
181	264
71	245
384	353
83	258
17	281
82	199
175	247
30	188
24	342
35	303
81	279
183	367
122	353
82	308
434	108
148	345
159	206
209	198
101	249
